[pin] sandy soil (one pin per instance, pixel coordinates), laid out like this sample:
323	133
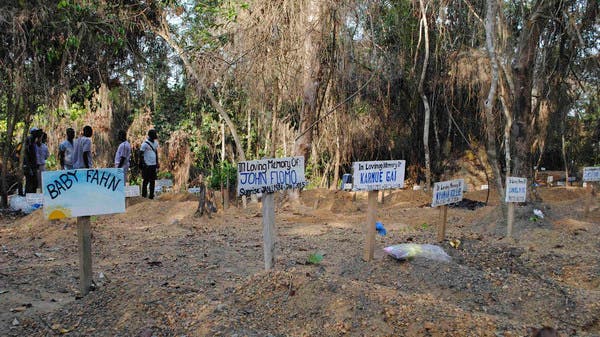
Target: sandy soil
162	272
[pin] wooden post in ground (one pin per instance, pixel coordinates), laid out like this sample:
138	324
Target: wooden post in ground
510	219
589	199
226	196
370	225
442	226
85	254
268	215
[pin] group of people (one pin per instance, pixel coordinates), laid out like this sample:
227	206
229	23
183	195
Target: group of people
76	153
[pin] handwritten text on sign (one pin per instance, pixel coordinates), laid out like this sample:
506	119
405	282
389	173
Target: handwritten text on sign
516	189
84	192
447	192
378	175
270	175
132	191
591	173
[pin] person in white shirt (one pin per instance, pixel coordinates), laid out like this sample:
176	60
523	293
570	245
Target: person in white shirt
65	151
82	150
149	163
123	154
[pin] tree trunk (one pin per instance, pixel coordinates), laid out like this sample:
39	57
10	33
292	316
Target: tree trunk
523	83
490	34
249	132
6	150
427	121
564	149
311	79
337	156
222	162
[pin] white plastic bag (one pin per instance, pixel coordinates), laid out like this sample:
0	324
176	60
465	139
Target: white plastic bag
19	203
406	251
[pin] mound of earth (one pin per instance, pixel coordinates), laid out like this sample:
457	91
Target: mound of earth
161	271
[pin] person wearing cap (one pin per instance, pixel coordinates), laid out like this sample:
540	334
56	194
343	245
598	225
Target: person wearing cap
82	150
41	152
149	161
65	151
123	154
30	166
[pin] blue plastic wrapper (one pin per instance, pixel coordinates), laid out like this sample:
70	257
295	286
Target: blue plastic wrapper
380	229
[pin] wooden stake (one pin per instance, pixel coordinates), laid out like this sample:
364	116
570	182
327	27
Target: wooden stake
590	199
226	196
442	226
370	225
85	254
268	215
510	219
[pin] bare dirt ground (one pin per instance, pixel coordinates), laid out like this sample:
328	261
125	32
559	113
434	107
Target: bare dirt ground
167	273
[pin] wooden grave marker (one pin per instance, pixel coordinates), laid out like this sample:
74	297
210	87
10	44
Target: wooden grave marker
591	175
373	176
82	193
267	176
444	193
516	191
131	191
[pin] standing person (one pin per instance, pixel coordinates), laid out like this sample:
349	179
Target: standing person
82	150
123	154
41	155
149	163
65	151
30	161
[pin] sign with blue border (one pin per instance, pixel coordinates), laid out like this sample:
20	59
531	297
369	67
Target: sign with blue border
516	189
447	192
73	193
591	173
270	175
378	175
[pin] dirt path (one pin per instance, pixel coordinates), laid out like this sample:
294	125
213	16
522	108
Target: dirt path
167	273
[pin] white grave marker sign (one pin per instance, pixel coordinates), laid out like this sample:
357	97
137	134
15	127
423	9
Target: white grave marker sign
378	175
447	192
75	193
270	175
516	189
34	199
591	173
132	191
194	190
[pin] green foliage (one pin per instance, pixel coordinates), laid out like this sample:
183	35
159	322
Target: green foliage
164	175
52	162
221	174
315	258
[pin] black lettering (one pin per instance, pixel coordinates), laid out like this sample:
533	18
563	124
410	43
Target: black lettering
59	186
94	177
104	179
64	178
52	191
114	183
74	174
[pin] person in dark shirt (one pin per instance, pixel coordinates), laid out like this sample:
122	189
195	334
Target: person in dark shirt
30	166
